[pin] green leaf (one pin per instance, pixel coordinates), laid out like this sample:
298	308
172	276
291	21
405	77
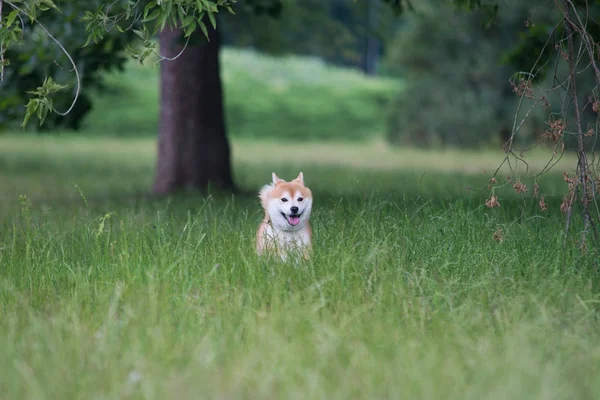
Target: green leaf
44	115
152	16
142	34
49	3
149	7
213	20
163	20
212	7
190	29
32	15
11	17
30	109
188	21
181	13
88	40
204	30
40	112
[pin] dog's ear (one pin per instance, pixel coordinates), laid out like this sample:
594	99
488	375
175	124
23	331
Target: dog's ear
300	178
276	179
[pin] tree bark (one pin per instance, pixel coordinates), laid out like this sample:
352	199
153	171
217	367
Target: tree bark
193	150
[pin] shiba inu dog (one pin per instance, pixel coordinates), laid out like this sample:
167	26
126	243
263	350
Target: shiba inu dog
285	228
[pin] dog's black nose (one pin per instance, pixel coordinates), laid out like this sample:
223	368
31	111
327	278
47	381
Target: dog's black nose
294	210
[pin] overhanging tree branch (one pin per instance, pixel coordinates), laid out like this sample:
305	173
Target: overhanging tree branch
185	14
78	87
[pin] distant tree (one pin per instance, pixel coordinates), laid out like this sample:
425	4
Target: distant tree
457	83
344	32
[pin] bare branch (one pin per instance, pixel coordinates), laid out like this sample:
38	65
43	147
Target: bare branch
578	50
582	161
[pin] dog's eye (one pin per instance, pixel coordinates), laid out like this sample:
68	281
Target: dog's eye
283	199
300	199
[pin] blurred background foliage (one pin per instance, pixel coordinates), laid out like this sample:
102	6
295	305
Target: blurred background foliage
432	76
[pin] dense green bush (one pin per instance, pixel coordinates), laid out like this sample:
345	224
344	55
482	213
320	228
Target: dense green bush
457	89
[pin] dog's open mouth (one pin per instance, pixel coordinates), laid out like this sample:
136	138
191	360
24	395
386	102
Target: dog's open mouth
292	219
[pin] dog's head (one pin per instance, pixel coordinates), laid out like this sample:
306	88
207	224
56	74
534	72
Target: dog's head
288	204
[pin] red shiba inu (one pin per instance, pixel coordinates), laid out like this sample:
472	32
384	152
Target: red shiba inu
285	228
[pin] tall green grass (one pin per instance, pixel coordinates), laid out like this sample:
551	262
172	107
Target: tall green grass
296	97
107	294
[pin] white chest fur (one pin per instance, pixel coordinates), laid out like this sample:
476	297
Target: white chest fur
287	241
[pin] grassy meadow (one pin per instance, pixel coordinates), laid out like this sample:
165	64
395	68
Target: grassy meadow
415	290
294	97
107	293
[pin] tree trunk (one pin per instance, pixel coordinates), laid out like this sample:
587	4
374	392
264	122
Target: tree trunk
193	150
371	53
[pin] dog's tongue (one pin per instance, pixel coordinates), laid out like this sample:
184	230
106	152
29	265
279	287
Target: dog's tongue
294	220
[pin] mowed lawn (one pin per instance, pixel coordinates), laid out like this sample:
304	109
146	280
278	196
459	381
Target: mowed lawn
415	289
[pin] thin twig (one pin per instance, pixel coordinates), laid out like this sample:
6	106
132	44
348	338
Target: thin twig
582	165
516	127
164	58
587	168
74	69
586	40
